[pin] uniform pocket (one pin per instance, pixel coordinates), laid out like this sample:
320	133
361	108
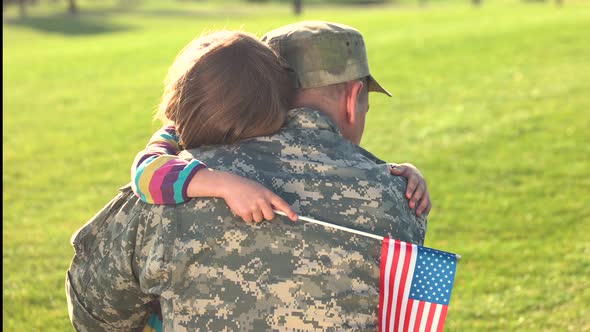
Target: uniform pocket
84	239
81	318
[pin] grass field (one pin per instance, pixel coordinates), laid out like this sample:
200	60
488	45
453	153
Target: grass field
491	103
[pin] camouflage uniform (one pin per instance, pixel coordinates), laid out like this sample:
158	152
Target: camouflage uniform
213	272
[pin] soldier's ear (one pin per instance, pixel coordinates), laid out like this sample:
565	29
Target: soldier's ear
353	93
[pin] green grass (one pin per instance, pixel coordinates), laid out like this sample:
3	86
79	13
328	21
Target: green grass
492	104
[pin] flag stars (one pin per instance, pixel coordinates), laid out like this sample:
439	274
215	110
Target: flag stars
433	275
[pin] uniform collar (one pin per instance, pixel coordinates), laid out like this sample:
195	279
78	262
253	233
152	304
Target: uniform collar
308	118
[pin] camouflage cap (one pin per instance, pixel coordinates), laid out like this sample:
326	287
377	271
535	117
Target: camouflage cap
322	53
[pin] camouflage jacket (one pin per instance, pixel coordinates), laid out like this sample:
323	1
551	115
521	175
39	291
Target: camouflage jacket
213	272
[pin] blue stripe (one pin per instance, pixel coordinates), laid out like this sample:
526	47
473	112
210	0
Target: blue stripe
155	323
168	137
179	184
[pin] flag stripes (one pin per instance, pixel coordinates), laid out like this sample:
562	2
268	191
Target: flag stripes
399	310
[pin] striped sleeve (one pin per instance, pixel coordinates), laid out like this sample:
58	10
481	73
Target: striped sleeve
158	175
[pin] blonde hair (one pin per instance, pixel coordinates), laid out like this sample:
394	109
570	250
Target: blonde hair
224	87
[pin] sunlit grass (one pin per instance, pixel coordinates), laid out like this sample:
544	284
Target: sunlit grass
491	103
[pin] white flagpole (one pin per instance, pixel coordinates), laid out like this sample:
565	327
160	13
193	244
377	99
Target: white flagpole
346	229
323	223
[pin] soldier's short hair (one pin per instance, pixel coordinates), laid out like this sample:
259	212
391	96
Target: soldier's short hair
223	87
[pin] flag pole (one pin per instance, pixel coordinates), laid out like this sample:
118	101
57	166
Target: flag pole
323	223
346	229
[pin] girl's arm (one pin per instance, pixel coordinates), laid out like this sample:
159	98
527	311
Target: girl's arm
159	176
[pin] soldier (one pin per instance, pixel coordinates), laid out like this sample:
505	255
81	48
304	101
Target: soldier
211	271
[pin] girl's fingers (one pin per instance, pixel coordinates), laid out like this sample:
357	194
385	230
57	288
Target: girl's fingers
417	195
257	215
282	206
422	206
267	210
413	182
395	169
246	216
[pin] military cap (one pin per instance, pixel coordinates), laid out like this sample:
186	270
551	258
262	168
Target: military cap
322	53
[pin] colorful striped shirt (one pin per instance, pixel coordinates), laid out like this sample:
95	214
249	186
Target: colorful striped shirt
158	175
154	324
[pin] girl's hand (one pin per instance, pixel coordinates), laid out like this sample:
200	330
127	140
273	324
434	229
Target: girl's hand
247	199
416	192
252	201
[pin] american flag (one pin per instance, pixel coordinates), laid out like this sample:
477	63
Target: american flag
415	287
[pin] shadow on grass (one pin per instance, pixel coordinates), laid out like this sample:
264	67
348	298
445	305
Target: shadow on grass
72	25
205	13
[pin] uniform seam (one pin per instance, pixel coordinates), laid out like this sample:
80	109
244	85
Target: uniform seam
111	245
168	267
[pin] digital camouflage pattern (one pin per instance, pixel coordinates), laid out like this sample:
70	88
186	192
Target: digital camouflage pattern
322	53
213	272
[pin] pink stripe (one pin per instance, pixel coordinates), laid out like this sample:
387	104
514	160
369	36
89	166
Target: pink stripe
402	285
408	313
396	246
419	316
157	180
441	320
430	316
384	250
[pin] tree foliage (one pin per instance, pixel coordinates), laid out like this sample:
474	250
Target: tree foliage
23	4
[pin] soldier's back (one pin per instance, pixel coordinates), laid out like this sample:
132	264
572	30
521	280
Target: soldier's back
280	275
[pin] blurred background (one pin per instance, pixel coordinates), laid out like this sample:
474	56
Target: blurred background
491	101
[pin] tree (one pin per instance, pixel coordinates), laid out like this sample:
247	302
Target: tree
72	8
22	8
297	6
